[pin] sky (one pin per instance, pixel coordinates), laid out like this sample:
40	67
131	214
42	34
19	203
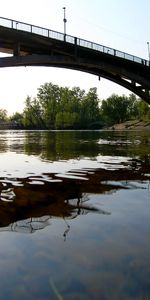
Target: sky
119	24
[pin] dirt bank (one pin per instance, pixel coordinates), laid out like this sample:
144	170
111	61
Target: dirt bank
132	125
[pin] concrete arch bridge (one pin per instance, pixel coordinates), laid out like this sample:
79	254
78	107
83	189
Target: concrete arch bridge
31	45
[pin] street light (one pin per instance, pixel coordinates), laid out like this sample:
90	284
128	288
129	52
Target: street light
148	51
65	21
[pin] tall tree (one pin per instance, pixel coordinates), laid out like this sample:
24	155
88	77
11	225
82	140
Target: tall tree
90	108
3	115
49	98
143	110
115	109
32	114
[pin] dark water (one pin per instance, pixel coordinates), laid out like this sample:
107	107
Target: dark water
74	215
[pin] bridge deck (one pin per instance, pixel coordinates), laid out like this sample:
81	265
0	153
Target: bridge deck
21	26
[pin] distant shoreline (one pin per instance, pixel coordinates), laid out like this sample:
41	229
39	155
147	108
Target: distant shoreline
137	125
131	125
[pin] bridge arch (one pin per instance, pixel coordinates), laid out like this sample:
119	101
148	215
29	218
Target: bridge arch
35	46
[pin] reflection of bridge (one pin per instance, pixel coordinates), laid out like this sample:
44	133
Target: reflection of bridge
35	46
30	204
29	225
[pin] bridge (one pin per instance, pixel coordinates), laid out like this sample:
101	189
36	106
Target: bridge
31	45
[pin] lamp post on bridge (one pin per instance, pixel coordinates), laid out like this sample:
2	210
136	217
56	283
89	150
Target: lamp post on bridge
65	21
148	52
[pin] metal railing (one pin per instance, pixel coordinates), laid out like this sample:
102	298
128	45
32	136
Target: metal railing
70	39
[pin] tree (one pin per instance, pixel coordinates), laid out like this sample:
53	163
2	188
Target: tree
69	108
32	114
67	120
17	119
49	98
3	115
90	108
115	109
143	110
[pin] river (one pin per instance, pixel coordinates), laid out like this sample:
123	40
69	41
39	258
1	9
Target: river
74	215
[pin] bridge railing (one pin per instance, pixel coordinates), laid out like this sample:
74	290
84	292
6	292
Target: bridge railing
70	39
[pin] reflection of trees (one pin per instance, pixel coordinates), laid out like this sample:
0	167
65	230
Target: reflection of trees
3	141
64	145
32	206
56	145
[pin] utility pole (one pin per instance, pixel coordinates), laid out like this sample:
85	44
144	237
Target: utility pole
65	21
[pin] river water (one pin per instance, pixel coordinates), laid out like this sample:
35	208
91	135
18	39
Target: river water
74	215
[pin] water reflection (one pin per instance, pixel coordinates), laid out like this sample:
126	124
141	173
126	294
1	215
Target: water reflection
65	145
90	189
30	204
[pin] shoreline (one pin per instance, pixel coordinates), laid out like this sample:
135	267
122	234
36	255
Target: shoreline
131	125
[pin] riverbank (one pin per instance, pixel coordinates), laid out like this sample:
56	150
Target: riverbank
132	125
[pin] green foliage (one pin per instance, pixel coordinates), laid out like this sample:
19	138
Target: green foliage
49	97
17	119
143	110
67	120
61	108
3	115
32	114
117	109
90	108
64	108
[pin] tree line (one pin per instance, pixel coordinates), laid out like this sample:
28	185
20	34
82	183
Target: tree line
57	107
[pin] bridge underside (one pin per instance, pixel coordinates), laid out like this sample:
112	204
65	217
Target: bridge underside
128	79
30	49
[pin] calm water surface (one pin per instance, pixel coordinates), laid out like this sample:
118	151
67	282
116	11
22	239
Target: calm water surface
74	215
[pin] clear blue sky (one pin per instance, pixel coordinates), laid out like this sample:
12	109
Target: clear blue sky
124	25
